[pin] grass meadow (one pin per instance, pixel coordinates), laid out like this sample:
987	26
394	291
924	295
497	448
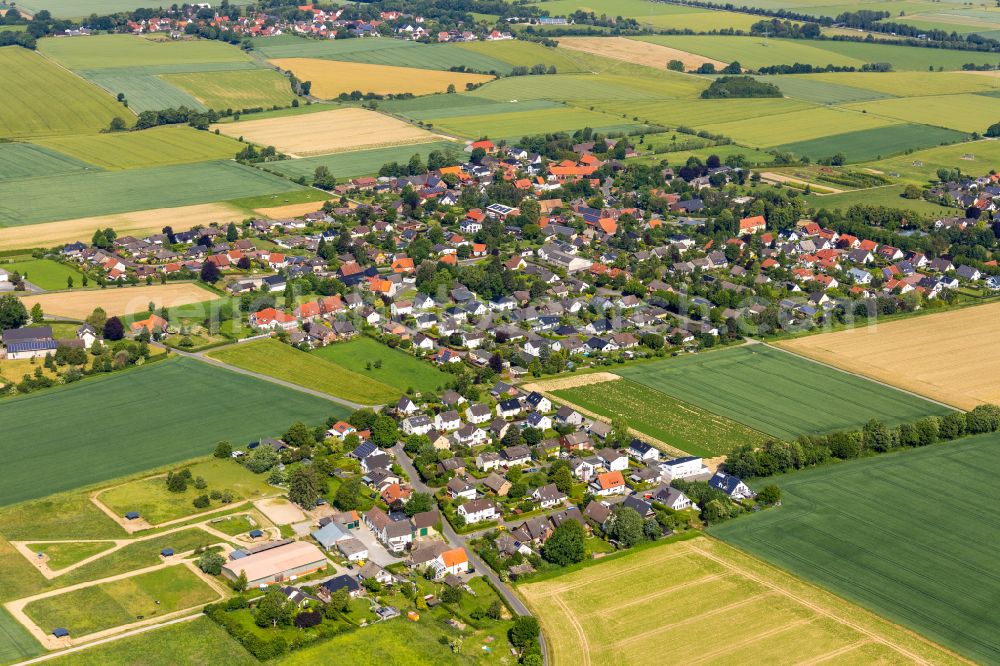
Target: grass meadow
279	360
921	166
700	112
42	99
159	146
870	144
27	160
890	196
681	425
100	51
797	126
64	554
963	112
144	92
399	370
540	121
359	162
778	393
16	644
156	408
845	527
106	193
44	273
236	89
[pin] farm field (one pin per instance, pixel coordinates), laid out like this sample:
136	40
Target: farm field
944	356
821	92
920	167
753	155
136	223
517	53
902	84
614	82
701	112
767	614
26	160
79	304
778	393
327	132
144	92
540	121
99	51
684	426
399	370
753	52
841	527
155	405
156	504
797	126
16	644
330	78
891	195
237	89
106	193
44	273
640	53
656	14
965	112
108	605
870	144
359	162
276	359
159	146
41	98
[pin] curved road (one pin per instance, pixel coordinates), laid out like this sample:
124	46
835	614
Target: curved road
462	540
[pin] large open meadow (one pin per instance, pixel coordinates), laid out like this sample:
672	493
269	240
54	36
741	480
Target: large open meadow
235	89
26	160
398	369
132	420
945	356
711	604
778	393
908	535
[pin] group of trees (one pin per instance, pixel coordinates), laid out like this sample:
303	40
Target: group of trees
727	87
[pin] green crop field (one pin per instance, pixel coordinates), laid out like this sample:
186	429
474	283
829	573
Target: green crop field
155	408
920	167
656	14
360	162
798	126
100	51
484	109
237	89
24	160
144	92
912	58
613	85
753	155
827	91
102	193
901	84
83	8
41	98
700	112
871	531
113	604
159	146
865	145
518	124
681	425
524	54
778	393
965	112
16	644
890	197
755	51
273	358
399	370
44	273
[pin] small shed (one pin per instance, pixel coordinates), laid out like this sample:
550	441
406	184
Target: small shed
256	534
131	515
167	552
60	632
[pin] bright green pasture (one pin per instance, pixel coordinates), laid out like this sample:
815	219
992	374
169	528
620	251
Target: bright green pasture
890	197
399	370
615	84
273	358
360	162
921	166
153	407
524	54
237	89
906	57
133	51
159	146
902	84
796	126
870	530
778	393
83	8
684	426
103	193
63	554
24	160
515	125
966	113
445	110
41	98
99	607
44	273
700	112
656	14
871	144
755	51
679	157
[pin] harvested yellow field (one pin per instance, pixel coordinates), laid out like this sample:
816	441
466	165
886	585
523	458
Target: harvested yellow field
720	604
137	223
947	356
291	210
634	51
332	77
119	301
327	132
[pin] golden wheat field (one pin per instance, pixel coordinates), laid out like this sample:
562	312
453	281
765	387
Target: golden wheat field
118	301
327	132
946	356
137	223
640	53
708	603
331	77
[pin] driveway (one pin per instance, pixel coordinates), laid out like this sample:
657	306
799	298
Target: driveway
376	552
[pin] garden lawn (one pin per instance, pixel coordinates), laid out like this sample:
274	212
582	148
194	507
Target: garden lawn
684	426
99	607
24	160
359	162
142	418
778	393
871	531
156	504
45	273
399	370
279	360
62	555
16	644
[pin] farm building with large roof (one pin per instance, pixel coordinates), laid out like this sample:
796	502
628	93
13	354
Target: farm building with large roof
276	565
